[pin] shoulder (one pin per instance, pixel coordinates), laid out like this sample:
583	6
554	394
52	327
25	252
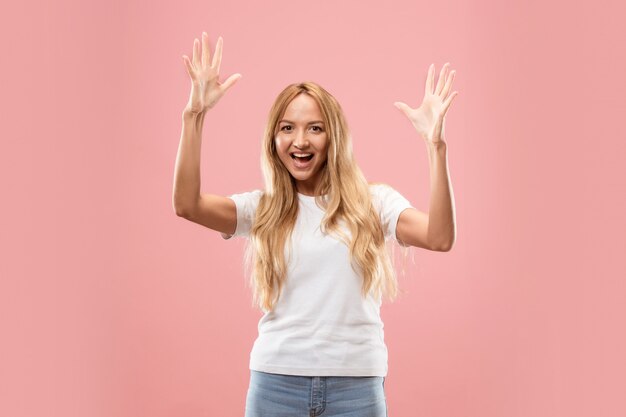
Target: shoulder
381	192
247	196
385	198
390	204
246	204
376	188
247	201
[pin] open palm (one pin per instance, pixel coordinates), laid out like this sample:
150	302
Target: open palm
428	119
204	72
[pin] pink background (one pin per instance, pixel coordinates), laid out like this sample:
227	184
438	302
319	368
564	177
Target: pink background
111	306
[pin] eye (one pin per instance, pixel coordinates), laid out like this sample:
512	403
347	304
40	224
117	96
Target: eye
283	128
318	127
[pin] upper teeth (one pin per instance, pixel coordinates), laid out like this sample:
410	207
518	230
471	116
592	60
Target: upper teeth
302	154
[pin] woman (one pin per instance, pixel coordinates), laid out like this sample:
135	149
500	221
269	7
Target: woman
316	237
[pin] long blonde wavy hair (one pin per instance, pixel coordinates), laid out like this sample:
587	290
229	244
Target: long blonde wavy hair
347	199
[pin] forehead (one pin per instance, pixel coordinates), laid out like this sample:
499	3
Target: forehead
303	108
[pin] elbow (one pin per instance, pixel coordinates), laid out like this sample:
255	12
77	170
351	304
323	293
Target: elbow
180	210
443	246
183	205
447	247
440	248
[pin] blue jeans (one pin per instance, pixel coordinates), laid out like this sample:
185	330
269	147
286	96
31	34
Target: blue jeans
278	395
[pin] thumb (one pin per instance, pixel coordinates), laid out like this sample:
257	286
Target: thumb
402	106
230	81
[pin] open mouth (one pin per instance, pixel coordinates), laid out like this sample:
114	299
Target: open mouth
301	157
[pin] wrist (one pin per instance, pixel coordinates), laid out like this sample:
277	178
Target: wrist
190	115
439	146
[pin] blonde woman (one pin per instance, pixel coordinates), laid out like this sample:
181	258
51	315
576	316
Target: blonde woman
316	241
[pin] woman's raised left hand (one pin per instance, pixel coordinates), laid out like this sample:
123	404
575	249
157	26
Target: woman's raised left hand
428	119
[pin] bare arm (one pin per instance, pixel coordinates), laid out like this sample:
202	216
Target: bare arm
213	211
437	228
210	210
441	217
187	171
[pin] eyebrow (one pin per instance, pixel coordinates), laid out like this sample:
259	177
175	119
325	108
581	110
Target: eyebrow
310	123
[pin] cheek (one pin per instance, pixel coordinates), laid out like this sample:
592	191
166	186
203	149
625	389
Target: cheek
325	148
281	152
279	144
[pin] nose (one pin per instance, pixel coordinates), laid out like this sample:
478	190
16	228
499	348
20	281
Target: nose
300	140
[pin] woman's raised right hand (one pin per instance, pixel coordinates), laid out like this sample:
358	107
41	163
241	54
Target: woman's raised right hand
206	89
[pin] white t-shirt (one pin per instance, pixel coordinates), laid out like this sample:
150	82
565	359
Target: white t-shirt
321	324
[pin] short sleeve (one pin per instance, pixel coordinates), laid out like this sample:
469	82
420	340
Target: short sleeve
389	203
246	204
